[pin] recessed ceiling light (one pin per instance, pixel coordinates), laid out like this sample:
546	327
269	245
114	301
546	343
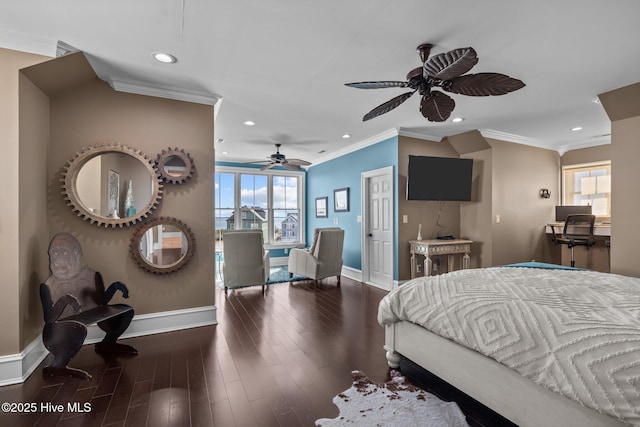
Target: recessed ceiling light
249	123
596	100
346	136
457	120
225	152
220	141
164	57
576	129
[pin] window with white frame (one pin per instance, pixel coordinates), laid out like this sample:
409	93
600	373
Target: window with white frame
588	184
271	201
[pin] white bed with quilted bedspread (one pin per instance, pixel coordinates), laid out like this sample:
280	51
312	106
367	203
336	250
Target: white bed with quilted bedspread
567	341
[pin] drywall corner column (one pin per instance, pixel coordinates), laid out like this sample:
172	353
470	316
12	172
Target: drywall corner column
11	274
625	198
623	109
518	173
33	213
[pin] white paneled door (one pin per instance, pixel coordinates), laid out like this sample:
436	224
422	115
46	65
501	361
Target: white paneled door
378	250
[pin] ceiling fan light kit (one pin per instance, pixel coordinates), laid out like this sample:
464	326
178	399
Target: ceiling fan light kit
445	71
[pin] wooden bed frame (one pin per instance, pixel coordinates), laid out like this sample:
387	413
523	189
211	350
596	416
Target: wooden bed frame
500	388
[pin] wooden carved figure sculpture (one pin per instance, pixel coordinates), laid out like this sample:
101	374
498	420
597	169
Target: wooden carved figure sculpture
73	297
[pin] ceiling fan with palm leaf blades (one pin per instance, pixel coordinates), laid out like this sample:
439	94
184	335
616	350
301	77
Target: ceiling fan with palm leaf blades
444	71
277	159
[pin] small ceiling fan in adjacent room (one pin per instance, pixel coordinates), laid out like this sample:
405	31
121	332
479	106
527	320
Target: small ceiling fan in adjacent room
444	71
277	159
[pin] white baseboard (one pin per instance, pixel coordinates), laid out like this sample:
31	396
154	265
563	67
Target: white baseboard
16	368
356	275
278	261
351	273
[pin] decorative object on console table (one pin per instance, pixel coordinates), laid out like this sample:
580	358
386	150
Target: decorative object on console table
429	248
419	232
321	207
341	200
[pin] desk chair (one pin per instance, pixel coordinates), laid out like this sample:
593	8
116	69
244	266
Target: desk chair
578	231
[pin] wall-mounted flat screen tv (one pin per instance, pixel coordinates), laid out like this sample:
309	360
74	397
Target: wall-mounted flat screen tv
439	178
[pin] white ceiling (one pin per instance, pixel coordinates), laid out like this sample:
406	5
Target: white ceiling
283	63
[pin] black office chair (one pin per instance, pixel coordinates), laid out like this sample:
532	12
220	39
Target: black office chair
578	231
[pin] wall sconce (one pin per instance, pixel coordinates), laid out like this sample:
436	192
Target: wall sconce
544	193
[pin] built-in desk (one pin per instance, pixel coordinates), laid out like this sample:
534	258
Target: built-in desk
594	258
600	229
429	248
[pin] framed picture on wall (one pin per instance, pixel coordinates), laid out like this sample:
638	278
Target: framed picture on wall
321	207
341	200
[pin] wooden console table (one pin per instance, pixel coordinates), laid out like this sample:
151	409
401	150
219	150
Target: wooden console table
439	247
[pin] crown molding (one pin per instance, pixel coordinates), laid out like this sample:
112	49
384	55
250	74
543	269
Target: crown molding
503	136
63	49
390	133
416	135
517	139
509	137
28	43
178	94
593	142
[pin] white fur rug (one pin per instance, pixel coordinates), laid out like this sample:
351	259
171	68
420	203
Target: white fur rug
396	403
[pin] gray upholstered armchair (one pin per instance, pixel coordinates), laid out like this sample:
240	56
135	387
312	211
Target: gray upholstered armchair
324	257
246	262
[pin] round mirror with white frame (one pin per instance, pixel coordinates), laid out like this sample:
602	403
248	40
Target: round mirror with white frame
175	166
162	245
112	185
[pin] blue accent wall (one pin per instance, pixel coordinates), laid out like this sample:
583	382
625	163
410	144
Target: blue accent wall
345	172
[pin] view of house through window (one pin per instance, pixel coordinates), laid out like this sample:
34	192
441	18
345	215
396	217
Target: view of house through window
588	184
250	199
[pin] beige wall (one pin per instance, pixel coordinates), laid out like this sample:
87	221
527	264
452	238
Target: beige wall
623	109
586	155
16	271
42	125
625	201
518	174
34	222
507	179
420	212
476	217
94	113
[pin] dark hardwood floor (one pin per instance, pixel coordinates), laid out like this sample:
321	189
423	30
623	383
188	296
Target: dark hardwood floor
273	360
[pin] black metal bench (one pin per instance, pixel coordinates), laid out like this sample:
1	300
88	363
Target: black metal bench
63	336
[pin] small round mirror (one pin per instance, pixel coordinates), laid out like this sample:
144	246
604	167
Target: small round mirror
112	185
162	245
175	166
